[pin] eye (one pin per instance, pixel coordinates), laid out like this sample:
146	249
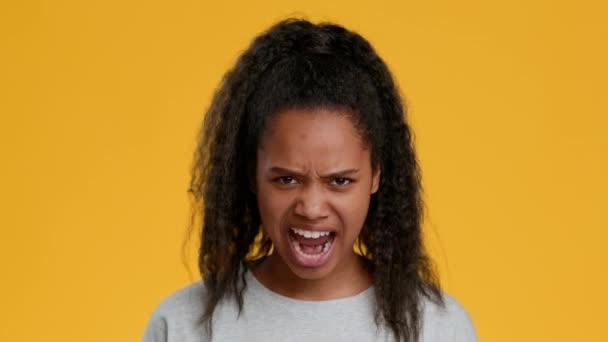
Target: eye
285	180
341	181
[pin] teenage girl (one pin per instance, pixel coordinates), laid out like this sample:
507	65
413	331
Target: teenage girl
307	181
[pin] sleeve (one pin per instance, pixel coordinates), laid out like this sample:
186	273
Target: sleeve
461	325
175	317
156	330
464	330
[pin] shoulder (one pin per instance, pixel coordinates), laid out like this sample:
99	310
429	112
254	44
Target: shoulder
450	322
181	308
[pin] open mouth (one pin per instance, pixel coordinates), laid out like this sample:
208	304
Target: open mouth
311	248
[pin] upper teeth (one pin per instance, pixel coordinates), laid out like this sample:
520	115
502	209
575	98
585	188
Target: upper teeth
309	233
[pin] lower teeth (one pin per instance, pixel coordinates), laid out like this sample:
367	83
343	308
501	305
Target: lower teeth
323	249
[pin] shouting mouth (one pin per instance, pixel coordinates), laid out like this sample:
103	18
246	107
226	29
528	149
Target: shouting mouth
311	248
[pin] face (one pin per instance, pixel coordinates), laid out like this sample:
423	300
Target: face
313	184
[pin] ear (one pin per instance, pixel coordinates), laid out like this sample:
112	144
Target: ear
376	180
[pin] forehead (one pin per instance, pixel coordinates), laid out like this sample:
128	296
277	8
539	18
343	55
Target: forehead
318	138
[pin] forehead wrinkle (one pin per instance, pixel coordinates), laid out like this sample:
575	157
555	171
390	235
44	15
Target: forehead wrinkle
315	111
318	164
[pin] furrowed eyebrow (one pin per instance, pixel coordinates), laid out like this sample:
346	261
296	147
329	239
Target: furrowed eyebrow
339	174
282	170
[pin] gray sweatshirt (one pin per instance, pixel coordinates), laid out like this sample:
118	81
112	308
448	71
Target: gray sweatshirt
268	316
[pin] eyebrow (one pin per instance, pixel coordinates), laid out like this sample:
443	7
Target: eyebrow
338	174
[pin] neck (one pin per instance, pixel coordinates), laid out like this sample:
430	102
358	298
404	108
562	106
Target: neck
348	279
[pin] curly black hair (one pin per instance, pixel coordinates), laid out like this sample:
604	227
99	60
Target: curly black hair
298	64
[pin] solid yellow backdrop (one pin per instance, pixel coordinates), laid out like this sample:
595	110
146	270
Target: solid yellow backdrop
101	101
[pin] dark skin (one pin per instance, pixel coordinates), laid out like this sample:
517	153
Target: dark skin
314	172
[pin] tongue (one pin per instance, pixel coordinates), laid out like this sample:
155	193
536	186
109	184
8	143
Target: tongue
310	242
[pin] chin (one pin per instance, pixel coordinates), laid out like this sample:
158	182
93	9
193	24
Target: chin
311	273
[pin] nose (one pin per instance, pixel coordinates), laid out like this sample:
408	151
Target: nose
312	203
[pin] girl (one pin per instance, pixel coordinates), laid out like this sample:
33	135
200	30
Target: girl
308	184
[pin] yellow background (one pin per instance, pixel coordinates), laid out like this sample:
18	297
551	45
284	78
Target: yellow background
101	100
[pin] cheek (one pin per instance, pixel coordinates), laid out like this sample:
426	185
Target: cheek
273	207
353	211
